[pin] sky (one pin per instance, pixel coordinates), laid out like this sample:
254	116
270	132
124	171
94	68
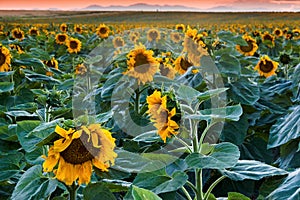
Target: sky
279	5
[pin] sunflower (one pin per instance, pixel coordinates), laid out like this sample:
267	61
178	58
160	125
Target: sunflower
256	33
266	67
278	32
166	69
17	47
296	34
175	37
141	64
133	37
74	45
180	27
267	37
103	31
78	28
5	59
17	33
78	151
63	27
118	42
61	38
250	49
181	64
153	35
53	63
156	103
34	31
80	69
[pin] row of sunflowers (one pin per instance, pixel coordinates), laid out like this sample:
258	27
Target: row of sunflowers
134	112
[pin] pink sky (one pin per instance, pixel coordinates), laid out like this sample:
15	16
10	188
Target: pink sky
202	4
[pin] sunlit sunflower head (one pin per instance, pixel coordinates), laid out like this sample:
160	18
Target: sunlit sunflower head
17	33
63	27
166	127
118	42
267	37
61	38
156	103
181	64
278	32
17	47
175	37
33	31
53	63
78	28
103	31
74	45
266	67
77	151
250	49
296	34
166	69
153	35
141	64
5	59
80	69
180	27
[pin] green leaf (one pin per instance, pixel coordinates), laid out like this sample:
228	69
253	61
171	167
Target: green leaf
23	129
224	155
229	65
251	169
237	196
5	74
244	92
31	62
20	113
229	113
289	189
10	165
148	137
285	129
187	94
31	107
96	190
6	86
142	194
32	185
211	93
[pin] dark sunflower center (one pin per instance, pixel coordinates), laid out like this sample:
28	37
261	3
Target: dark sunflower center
141	63
73	45
64	28
153	35
61	38
164	70
267	67
277	32
103	30
268	37
179	28
176	37
2	58
33	32
247	48
184	64
79	151
18	35
49	63
78	29
119	42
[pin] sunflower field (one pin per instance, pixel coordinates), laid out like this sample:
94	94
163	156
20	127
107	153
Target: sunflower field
171	112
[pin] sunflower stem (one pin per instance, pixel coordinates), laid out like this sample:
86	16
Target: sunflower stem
72	191
199	186
212	186
186	193
137	101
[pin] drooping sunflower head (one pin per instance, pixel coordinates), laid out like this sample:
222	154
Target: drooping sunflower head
80	69
17	33
78	28
250	49
266	67
33	31
103	31
141	64
63	27
53	63
268	38
180	27
156	103
175	37
278	32
5	59
61	38
181	64
118	42
153	35
77	151
74	45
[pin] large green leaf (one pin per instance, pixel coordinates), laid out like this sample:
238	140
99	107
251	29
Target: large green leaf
224	155
159	182
237	196
28	142
6	86
229	113
95	191
32	185
251	169
142	194
187	94
286	128
289	189
229	65
10	165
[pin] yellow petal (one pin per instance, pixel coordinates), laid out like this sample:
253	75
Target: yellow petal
100	165
95	140
61	144
77	134
62	132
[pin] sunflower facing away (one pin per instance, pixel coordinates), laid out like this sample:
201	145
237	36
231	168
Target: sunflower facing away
103	31
61	38
78	151
141	64
153	35
53	63
17	33
250	49
74	45
161	116
266	67
5	59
